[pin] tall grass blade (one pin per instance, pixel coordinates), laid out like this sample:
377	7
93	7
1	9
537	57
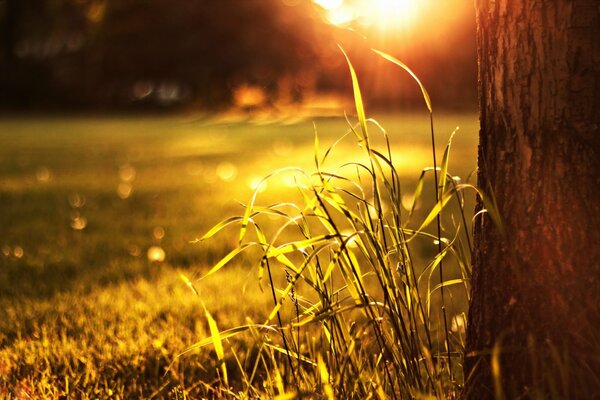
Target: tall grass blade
189	284
435	211
227	259
412	74
444	165
360	109
325	384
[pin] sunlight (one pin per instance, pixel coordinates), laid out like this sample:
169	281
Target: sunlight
385	15
393	13
329	4
156	254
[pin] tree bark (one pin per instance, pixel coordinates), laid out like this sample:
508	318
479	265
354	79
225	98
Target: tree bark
536	278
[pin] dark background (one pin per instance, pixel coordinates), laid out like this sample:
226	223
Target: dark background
192	54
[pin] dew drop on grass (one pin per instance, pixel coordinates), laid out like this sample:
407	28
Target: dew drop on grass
156	254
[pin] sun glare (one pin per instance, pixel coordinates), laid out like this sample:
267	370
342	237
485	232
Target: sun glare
329	4
384	15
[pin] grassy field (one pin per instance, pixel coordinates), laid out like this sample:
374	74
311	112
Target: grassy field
89	207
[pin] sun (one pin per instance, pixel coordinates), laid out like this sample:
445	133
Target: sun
329	4
384	15
391	14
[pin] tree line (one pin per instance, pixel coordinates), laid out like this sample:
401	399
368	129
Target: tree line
160	53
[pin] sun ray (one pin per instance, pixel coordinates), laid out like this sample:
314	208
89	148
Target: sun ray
384	15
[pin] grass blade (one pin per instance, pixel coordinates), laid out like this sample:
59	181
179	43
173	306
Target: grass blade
360	108
414	76
444	166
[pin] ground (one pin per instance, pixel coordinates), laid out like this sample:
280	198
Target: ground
88	205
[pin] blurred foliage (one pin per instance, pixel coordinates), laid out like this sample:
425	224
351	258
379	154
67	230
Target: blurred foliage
157	54
108	52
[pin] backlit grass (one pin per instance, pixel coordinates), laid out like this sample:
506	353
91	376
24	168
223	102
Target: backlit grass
359	315
85	312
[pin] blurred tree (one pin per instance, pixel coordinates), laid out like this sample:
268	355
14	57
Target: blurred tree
11	16
118	51
534	316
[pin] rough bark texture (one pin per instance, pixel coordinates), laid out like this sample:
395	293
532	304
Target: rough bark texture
536	281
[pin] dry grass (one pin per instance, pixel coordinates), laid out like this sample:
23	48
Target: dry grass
85	314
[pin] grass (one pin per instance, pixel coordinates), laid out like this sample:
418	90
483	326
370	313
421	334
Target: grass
357	315
85	312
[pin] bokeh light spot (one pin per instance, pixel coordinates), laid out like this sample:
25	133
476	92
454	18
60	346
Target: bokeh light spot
127	173
78	223
76	200
226	171
43	174
18	252
124	190
158	232
134	250
156	254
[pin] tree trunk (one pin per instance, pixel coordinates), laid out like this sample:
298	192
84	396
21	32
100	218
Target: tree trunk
534	317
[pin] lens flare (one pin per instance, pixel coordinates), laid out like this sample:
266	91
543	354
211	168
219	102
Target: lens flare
329	4
385	15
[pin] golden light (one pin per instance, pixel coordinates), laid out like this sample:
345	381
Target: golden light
383	15
226	171
156	254
396	13
127	173
158	232
78	223
258	184
340	16
329	4
18	251
124	190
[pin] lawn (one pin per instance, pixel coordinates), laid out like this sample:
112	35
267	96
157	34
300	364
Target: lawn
89	207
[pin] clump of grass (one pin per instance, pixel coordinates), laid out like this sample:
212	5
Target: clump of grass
355	312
